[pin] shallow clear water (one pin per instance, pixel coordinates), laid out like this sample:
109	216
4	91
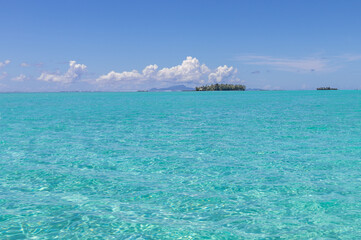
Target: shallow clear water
189	165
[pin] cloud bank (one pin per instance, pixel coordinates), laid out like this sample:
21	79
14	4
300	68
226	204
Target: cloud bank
310	64
287	64
189	72
74	72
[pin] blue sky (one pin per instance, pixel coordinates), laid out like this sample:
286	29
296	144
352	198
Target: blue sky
130	45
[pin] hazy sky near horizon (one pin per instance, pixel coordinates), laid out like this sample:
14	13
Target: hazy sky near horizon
129	45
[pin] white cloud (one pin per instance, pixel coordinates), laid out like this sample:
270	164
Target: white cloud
74	72
222	73
190	71
3	75
124	76
4	63
150	71
19	78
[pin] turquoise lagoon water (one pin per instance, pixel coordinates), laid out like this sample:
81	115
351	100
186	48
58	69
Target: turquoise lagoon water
188	165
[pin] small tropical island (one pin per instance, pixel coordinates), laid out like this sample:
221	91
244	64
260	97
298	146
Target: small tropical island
326	88
222	87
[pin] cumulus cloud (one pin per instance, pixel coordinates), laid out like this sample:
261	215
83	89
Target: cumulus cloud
4	63
124	76
150	71
19	78
74	72
190	71
222	74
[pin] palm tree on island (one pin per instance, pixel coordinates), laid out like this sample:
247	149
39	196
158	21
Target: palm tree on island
222	87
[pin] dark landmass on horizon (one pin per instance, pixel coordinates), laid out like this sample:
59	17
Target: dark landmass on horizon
222	87
326	88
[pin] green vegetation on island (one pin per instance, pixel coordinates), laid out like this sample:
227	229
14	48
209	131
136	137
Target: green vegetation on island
222	87
326	88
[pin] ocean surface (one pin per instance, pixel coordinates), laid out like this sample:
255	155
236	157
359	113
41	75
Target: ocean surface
181	165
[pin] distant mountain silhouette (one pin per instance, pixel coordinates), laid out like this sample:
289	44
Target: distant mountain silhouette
172	89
